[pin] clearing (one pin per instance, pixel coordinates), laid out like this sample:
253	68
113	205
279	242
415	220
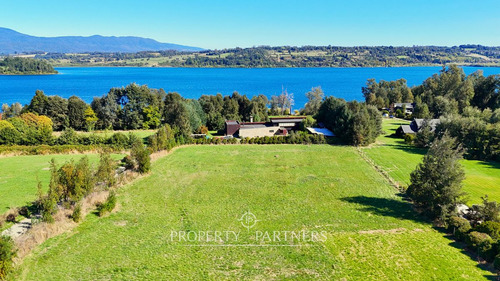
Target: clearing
399	160
371	234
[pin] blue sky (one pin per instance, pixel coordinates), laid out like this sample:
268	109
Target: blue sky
226	24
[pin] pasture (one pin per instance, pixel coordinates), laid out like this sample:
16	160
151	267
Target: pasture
19	176
371	233
399	160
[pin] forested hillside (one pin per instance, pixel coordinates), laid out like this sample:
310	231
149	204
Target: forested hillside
307	56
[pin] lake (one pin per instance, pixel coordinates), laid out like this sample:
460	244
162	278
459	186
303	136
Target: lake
89	82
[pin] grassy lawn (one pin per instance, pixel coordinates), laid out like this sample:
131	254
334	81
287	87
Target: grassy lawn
371	234
399	160
19	174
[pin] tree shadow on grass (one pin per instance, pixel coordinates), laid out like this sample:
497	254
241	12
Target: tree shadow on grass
490	164
471	254
403	210
408	148
386	207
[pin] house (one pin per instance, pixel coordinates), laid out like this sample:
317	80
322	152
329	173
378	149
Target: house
407	106
415	126
276	126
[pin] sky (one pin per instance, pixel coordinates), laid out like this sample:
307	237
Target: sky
218	24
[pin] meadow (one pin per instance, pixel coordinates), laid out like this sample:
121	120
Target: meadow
399	159
371	233
20	175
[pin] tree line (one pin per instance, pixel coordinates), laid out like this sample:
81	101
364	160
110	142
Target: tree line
18	65
469	108
290	56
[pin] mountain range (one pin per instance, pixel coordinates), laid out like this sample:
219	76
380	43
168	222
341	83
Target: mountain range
12	42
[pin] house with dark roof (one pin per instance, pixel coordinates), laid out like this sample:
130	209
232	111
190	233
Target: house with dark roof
415	126
406	106
276	126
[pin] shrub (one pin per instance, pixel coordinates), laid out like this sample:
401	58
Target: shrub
11	217
25	212
409	139
141	157
106	170
7	254
491	228
482	242
69	136
119	140
459	227
203	130
108	205
77	213
128	162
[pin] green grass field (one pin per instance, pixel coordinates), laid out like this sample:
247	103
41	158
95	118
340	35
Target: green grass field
371	233
399	160
20	174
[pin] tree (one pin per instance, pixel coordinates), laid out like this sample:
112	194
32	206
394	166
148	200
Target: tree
436	183
106	170
259	108
57	110
282	102
141	156
176	114
76	113
39	103
151	117
314	99
90	118
424	136
230	109
353	122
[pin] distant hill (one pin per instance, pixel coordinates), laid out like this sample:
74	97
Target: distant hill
12	41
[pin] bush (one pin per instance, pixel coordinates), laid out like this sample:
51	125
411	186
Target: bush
459	227
128	162
491	228
119	140
106	170
482	242
69	136
7	254
141	157
108	205
409	139
25	212
77	213
11	218
203	130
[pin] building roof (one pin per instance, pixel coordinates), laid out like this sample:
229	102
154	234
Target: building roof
407	129
231	122
286	120
252	126
432	122
321	131
400	104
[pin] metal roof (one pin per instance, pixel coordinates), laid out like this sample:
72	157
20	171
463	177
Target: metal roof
286	120
407	129
321	131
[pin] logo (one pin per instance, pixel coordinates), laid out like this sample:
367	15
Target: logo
248	220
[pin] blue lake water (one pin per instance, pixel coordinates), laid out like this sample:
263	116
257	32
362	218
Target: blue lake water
89	82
